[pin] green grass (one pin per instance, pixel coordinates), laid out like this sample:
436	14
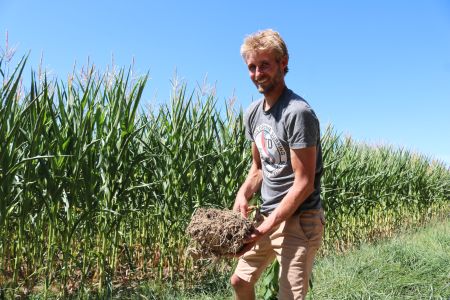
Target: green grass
410	266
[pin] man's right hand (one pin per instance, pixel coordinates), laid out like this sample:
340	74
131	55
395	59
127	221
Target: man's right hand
241	205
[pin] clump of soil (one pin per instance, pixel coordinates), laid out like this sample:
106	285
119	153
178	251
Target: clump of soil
216	232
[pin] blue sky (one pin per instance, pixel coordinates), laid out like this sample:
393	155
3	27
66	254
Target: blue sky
379	71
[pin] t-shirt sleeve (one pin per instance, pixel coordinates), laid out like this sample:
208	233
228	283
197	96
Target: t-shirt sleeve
303	129
248	124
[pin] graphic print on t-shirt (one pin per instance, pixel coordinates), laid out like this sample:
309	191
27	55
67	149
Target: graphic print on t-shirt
273	155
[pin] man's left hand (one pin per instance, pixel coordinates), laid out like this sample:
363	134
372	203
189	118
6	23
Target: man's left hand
249	242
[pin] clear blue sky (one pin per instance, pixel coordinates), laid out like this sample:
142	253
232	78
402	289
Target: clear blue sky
379	71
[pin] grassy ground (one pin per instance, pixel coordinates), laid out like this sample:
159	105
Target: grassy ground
414	265
410	266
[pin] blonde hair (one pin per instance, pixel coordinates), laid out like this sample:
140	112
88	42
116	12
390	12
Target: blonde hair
265	40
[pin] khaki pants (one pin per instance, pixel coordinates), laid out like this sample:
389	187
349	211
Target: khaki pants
294	243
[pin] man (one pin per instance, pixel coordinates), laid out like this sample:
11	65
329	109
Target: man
286	168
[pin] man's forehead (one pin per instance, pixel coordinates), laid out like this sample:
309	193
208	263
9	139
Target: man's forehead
260	55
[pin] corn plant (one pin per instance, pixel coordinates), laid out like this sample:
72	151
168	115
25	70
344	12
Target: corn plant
96	191
373	191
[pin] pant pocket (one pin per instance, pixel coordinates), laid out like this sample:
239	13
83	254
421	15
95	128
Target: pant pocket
312	225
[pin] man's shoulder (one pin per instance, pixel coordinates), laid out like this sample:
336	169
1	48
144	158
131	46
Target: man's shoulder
253	107
296	103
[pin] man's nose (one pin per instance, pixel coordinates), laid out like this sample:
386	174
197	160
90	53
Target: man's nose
259	72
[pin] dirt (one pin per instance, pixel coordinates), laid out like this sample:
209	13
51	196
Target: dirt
216	232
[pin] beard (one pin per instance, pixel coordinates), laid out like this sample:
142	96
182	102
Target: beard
268	84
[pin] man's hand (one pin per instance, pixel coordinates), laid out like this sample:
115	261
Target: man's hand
254	237
241	205
251	185
249	242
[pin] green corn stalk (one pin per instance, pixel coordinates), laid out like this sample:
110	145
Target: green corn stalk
92	183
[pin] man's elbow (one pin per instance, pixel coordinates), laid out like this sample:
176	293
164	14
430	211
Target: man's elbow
307	186
310	187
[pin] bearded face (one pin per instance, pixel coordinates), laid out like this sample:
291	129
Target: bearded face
265	70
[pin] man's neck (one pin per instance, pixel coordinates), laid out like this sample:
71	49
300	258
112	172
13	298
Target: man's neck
270	99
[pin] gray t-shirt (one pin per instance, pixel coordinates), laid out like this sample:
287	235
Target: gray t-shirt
289	124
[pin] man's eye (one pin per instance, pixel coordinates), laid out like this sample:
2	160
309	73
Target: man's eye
252	68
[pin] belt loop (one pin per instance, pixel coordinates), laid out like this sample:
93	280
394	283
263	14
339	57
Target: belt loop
258	216
322	216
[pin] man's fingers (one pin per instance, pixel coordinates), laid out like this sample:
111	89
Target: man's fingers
241	210
244	211
253	237
248	243
244	249
251	208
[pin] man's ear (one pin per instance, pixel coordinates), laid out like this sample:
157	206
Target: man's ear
284	62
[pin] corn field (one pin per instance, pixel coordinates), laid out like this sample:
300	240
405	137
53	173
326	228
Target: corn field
97	190
371	192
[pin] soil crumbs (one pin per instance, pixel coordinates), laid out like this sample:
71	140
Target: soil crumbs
216	232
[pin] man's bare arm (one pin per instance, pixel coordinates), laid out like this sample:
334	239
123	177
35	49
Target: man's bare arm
304	167
251	185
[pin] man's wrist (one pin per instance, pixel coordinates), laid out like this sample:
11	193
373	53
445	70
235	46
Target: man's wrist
264	228
242	194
